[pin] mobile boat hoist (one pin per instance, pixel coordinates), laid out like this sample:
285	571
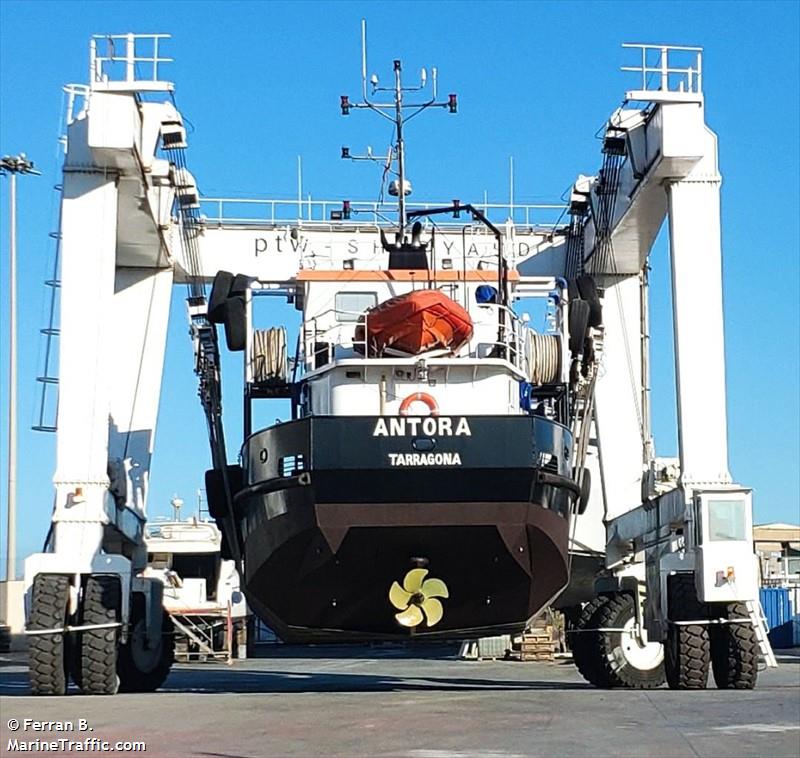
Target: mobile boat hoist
443	473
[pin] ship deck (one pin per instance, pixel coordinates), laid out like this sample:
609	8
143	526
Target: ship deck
421	703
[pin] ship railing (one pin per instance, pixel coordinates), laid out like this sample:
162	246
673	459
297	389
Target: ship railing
667	68
314	336
317	343
515	338
131	61
233	211
510	337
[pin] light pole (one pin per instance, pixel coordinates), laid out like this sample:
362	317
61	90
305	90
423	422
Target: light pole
13	165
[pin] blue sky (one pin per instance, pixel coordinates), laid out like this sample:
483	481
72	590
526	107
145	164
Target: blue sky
260	84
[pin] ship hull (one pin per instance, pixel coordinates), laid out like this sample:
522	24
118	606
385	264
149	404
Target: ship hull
334	510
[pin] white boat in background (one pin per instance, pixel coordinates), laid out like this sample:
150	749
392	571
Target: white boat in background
201	589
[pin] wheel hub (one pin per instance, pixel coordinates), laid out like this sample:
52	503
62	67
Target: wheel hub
640	656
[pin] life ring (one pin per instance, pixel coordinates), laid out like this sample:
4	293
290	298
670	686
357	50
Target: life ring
422	397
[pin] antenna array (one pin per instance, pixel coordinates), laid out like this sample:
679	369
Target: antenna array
398	113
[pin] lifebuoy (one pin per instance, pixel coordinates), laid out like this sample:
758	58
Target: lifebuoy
422	397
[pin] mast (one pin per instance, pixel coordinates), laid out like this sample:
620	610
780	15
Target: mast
398	112
401	163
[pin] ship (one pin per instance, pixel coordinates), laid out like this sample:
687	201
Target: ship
428	478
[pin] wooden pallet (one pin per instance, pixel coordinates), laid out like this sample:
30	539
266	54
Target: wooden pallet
537	644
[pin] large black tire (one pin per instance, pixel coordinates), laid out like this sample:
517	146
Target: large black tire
734	651
144	669
624	662
220	290
96	672
47	652
578	324
588	292
688	649
586	646
687	656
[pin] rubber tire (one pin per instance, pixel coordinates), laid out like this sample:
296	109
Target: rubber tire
96	673
586	647
220	290
586	490
131	678
588	292
239	285
48	652
616	670
688	648
686	657
235	323
734	651
578	318
215	490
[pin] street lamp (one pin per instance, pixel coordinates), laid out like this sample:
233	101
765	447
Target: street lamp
13	165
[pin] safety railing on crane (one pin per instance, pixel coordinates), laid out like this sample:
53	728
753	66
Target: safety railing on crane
131	60
76	102
668	68
243	211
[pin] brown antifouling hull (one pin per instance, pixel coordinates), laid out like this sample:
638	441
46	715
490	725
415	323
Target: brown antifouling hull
323	571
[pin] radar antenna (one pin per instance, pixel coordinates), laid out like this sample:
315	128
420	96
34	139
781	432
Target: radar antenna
396	112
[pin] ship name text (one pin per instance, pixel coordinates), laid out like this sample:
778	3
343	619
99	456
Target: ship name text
402	426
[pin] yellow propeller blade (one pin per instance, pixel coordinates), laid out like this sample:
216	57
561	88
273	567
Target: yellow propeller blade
398	597
413	580
434	588
433	611
410	617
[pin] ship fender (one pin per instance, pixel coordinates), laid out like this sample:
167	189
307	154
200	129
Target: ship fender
588	291
422	397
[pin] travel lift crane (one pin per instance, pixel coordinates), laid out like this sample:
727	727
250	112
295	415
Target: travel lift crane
92	615
680	588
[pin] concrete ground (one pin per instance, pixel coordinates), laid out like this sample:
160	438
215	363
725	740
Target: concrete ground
416	703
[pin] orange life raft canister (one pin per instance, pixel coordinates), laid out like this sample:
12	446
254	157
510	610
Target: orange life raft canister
415	323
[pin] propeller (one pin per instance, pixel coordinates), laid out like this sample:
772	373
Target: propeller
417	599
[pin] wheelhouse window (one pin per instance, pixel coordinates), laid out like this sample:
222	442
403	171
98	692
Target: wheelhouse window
350	305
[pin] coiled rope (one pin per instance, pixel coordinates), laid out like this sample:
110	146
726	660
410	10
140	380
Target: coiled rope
544	358
269	355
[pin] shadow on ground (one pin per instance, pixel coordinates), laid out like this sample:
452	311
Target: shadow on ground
425	673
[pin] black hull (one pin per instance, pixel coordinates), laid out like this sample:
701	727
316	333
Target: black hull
324	541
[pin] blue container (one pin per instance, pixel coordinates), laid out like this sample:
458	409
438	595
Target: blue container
778	610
